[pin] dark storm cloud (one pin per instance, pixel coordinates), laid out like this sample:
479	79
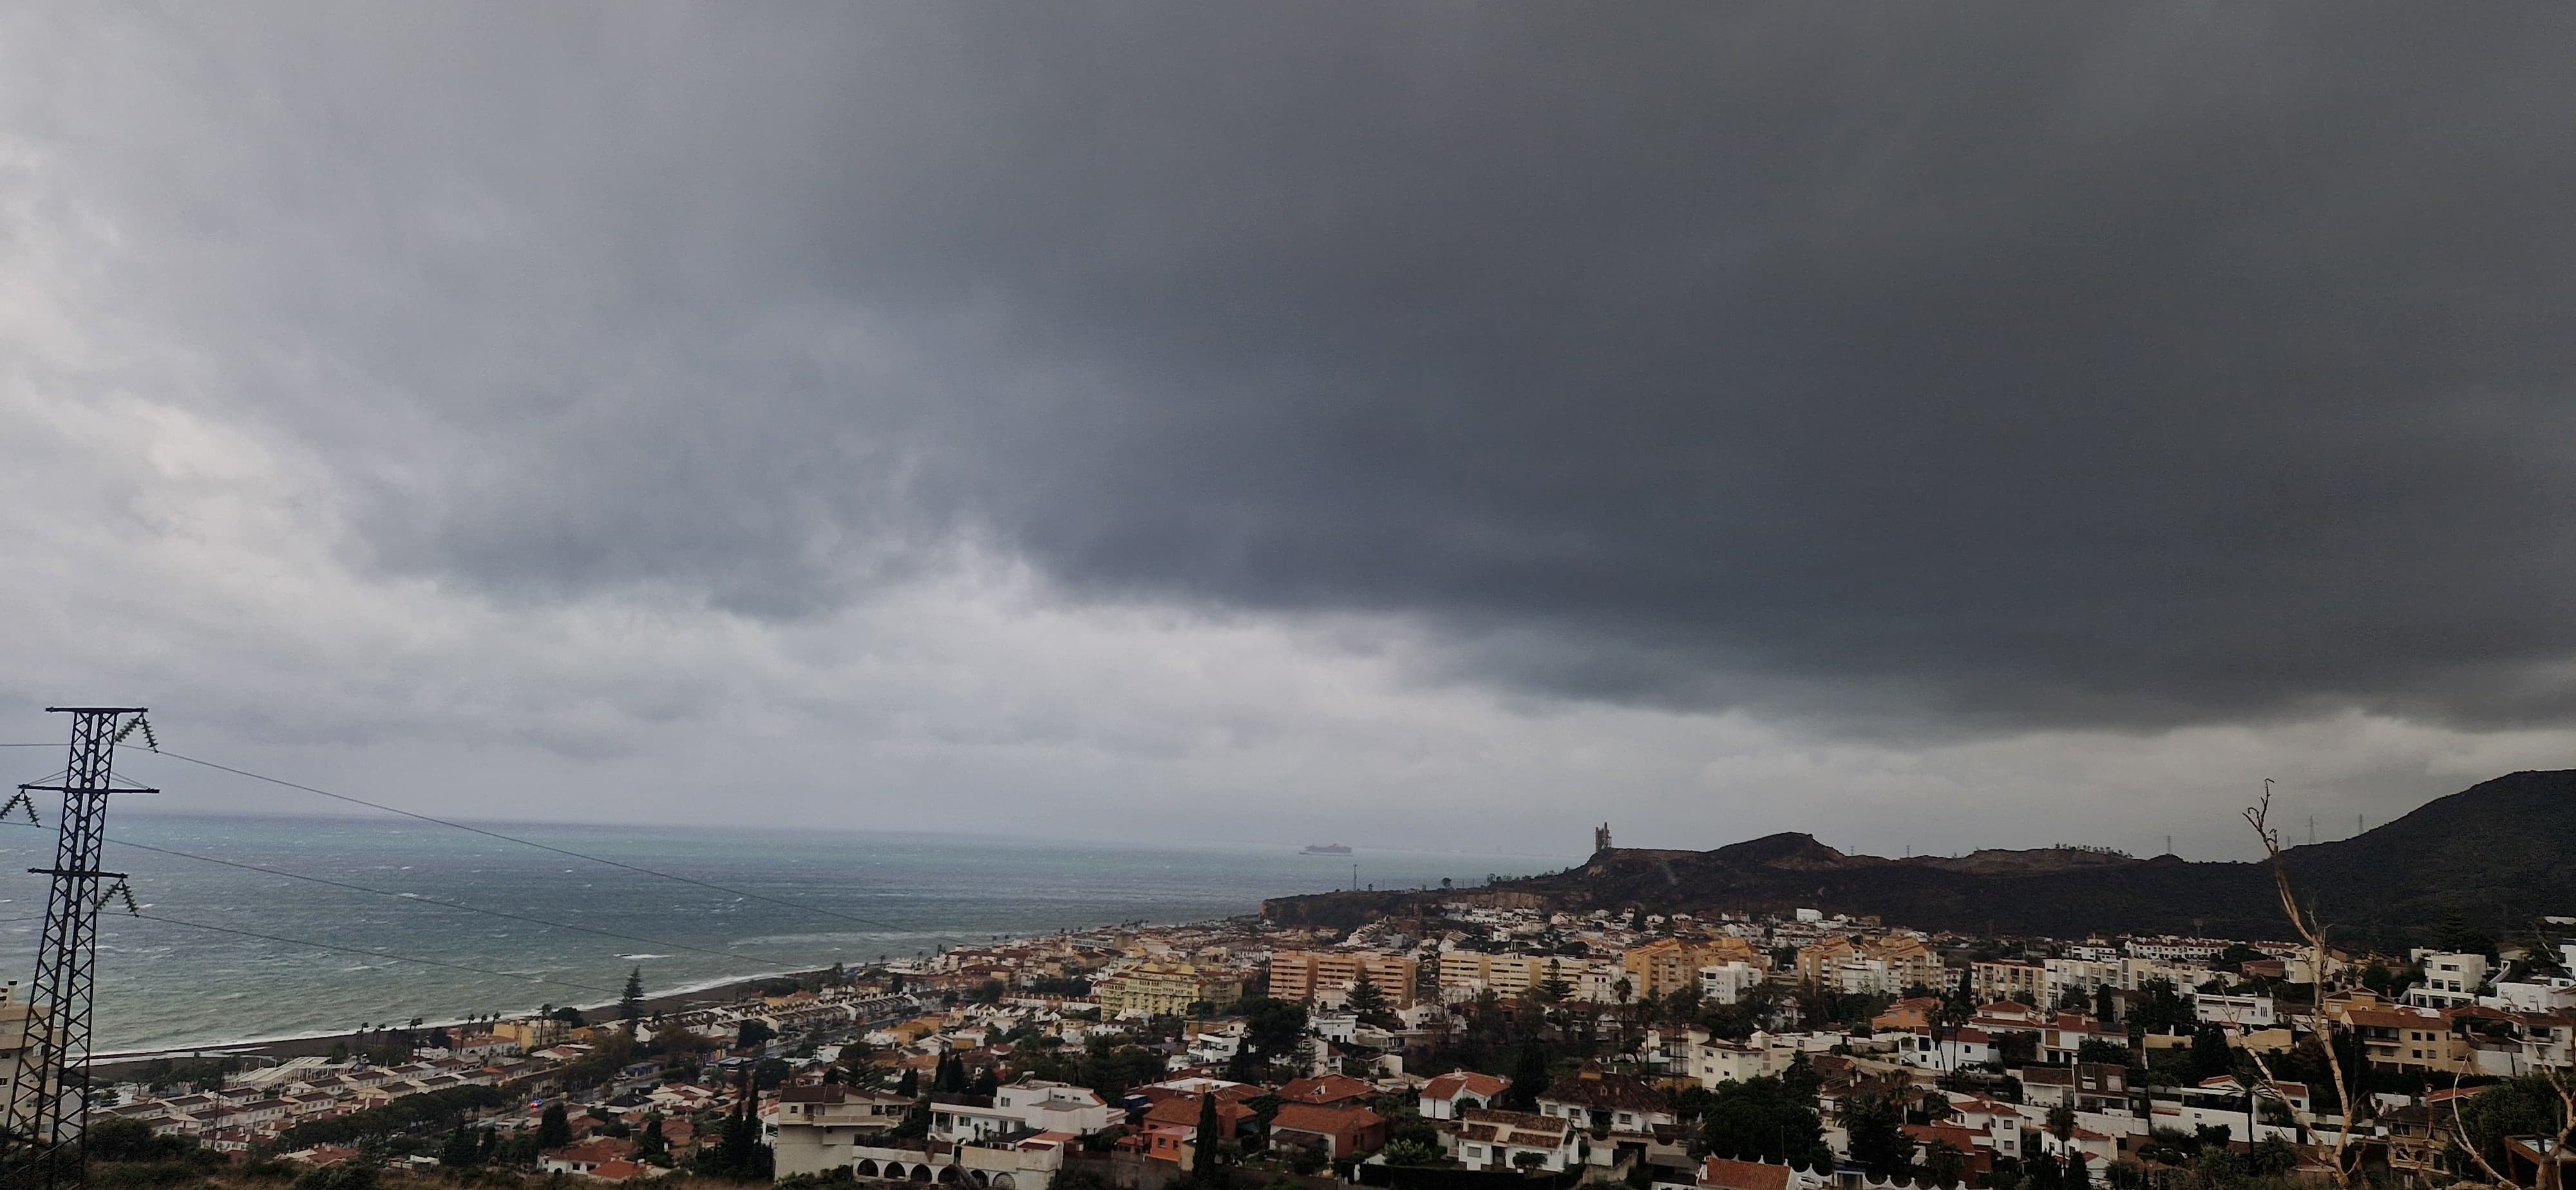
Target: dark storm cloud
1984	367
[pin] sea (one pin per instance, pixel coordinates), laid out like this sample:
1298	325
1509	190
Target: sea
225	952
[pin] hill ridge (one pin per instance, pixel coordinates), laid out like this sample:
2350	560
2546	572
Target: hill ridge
2499	854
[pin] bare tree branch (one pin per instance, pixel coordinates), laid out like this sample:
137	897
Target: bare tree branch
2347	1159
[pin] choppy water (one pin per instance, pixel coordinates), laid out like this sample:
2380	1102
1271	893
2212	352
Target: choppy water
164	985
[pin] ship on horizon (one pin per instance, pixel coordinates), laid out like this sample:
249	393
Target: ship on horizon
1326	849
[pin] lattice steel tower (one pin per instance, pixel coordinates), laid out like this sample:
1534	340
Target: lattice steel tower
48	1104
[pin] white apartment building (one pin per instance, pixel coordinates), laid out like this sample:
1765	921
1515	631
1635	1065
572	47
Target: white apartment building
2179	950
1056	1107
2234	1011
1728	983
2450	981
1867	977
1715	1060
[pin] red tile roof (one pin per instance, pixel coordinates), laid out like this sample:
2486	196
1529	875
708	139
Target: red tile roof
1525	1129
1300	1117
1331	1088
1457	1082
1722	1173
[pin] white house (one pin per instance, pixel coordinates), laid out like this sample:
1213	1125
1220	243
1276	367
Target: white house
1728	983
1715	1060
2450	981
1487	1139
1045	1106
2234	1011
1451	1095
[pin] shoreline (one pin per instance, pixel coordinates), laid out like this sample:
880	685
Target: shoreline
707	993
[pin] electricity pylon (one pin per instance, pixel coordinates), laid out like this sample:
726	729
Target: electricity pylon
48	1104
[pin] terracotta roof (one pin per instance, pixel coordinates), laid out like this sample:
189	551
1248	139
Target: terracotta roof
1457	1082
1525	1129
1725	1173
1302	1117
1331	1088
605	1148
1614	1091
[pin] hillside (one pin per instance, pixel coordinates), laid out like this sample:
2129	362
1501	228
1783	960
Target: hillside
2500	854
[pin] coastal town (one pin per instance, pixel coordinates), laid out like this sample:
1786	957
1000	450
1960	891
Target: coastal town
1480	1042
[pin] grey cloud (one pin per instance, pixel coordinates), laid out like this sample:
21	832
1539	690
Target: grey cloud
1926	371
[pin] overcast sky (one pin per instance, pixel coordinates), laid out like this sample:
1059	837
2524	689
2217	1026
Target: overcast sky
1443	425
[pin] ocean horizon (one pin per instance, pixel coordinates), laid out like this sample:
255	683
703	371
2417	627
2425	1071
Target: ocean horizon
163	985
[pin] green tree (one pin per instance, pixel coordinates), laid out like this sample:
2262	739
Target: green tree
2018	1047
1272	1030
752	1032
1878	1141
1409	1151
1554	990
2273	1157
630	1004
348	1175
1799	1081
2102	1049
1530	1078
740	1154
132	1140
1203	1146
2526	1106
554	1128
1265	1108
2160	1009
909	1086
1764	1119
2211	1056
2457	936
1367	1002
464	1148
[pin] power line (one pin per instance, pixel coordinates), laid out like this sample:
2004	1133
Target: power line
637	868
374	954
417	899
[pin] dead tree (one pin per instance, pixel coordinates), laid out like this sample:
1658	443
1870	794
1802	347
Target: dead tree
2346	1157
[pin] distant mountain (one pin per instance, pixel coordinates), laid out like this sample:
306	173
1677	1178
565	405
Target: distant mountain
2500	854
